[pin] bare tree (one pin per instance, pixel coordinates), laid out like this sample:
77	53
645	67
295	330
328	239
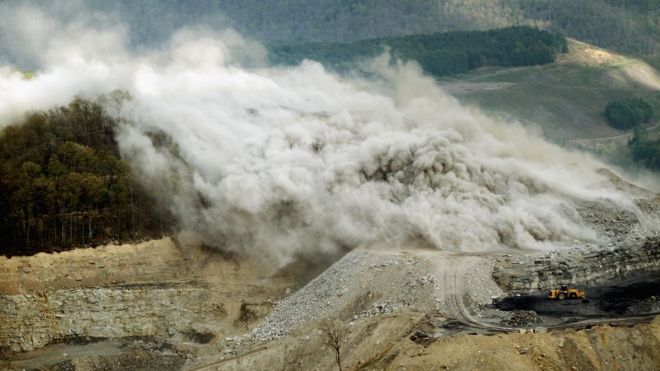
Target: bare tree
334	332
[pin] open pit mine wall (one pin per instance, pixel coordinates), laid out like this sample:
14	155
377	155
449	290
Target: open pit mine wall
29	321
522	275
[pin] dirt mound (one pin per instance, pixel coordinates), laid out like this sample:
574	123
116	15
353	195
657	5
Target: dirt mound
363	283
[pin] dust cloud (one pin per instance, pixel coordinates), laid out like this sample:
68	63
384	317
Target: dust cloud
274	162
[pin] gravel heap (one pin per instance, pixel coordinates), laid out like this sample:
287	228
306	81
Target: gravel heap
480	286
373	282
363	283
523	318
616	224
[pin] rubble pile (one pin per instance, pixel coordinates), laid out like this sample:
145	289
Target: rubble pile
522	318
364	283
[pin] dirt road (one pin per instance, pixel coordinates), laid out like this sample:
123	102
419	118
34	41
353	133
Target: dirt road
620	139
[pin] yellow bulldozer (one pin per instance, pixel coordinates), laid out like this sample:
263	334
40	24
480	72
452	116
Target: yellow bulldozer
566	293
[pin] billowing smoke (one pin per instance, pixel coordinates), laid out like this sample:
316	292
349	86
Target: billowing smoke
275	162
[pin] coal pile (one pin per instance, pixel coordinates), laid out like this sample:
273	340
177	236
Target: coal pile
635	296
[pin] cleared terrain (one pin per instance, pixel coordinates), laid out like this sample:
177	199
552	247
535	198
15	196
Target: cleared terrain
174	304
564	100
144	304
400	299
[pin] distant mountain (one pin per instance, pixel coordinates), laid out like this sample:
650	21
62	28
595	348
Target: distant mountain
628	26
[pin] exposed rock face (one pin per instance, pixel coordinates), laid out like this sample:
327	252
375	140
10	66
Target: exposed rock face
29	321
152	289
523	274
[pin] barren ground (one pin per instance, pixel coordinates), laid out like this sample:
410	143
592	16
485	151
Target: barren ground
170	305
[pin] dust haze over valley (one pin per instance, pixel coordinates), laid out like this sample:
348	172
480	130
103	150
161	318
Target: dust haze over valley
276	165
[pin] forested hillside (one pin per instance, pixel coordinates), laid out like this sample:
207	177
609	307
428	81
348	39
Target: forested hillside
631	26
645	149
627	26
62	184
439	54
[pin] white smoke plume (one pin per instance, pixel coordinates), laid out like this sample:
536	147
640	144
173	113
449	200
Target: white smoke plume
276	162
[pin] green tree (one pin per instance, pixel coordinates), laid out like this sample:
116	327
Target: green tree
628	113
645	150
439	54
63	184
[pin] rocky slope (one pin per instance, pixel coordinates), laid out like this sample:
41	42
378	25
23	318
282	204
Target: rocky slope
150	290
524	274
168	305
630	245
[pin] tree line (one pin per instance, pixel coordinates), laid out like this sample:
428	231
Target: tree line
644	149
628	26
63	184
439	54
628	113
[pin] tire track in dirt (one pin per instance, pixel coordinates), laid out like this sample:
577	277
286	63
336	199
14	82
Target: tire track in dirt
452	290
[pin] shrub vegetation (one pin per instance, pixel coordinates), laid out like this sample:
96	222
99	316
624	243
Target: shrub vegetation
439	54
645	150
628	113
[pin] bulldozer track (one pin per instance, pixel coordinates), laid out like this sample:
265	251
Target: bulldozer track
455	293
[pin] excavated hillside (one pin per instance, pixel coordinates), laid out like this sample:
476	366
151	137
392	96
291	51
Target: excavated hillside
173	304
159	300
421	309
170	310
371	218
388	328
